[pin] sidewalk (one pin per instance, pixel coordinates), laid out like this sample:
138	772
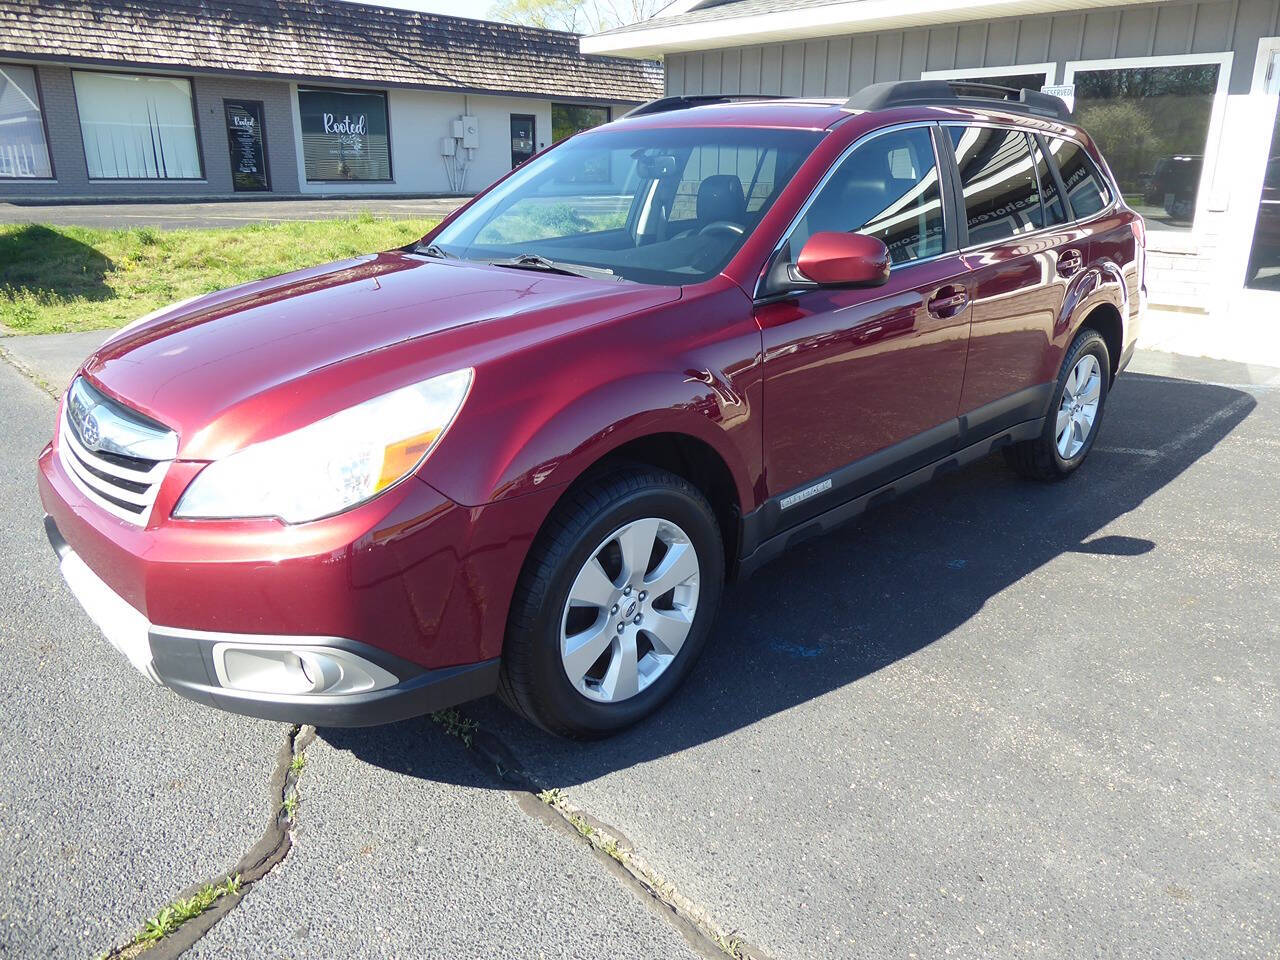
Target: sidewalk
1204	335
225	213
51	359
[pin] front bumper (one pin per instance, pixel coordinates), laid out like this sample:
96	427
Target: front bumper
409	572
187	661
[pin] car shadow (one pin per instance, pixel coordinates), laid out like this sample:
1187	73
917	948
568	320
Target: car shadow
43	262
882	587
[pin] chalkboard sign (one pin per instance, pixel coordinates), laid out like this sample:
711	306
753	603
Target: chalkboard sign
248	148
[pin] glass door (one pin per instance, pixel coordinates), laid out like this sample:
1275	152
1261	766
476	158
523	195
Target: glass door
1263	271
522	136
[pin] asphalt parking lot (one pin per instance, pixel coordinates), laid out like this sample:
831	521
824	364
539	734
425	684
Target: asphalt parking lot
992	719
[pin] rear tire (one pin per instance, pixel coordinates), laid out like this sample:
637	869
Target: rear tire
1075	413
582	659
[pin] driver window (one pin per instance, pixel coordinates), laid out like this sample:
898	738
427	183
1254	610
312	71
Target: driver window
887	188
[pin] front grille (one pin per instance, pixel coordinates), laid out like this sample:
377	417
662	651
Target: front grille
115	456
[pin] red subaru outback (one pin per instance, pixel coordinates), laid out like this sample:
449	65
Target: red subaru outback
525	453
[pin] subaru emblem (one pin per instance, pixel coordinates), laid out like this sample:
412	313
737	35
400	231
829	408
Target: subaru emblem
90	435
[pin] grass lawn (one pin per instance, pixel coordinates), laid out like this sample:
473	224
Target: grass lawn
63	279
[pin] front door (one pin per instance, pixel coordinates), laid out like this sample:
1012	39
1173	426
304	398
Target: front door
247	143
523	129
862	385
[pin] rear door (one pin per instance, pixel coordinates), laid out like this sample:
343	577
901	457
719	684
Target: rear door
1020	272
862	385
1107	229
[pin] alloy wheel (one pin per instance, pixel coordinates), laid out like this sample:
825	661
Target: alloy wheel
1081	395
629	610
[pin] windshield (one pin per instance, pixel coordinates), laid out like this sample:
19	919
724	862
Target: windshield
667	206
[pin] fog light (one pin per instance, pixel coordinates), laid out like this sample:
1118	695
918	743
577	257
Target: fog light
296	671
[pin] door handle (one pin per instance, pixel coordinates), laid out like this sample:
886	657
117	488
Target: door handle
1070	262
948	302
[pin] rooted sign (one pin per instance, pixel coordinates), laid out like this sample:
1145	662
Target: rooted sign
247	146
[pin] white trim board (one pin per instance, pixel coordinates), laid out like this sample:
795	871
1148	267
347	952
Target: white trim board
672	34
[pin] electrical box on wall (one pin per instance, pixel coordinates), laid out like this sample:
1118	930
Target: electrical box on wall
470	132
448	146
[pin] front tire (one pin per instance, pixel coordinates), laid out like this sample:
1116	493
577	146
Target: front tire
614	603
1075	413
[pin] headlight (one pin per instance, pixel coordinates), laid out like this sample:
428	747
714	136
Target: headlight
334	463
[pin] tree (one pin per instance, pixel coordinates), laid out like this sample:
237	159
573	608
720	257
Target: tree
1127	135
576	16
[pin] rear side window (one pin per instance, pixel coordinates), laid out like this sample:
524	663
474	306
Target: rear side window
887	188
1086	190
998	175
1050	199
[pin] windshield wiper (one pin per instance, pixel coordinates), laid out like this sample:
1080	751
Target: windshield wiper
532	261
435	250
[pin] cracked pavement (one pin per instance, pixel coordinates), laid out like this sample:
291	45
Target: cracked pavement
993	719
117	796
387	864
112	799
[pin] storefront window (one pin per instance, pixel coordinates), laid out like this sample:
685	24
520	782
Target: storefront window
570	118
23	150
137	127
345	135
1152	124
1264	257
1263	272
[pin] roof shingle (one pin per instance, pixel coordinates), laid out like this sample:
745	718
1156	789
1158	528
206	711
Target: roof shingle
324	40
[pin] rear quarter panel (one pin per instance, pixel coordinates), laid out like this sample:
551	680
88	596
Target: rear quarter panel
1109	279
1115	255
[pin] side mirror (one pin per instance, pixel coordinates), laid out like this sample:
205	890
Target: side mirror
832	259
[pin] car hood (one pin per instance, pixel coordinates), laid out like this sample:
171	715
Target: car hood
258	360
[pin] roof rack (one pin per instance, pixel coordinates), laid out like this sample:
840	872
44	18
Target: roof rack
897	93
958	93
665	104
